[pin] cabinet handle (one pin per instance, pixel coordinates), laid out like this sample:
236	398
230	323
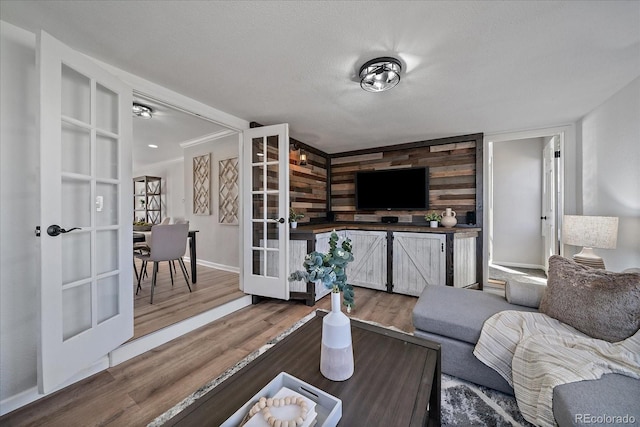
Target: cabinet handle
441	247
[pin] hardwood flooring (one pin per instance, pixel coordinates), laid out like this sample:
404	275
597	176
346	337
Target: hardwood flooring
172	304
135	392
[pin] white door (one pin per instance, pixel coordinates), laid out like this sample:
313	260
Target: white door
548	216
86	292
266	204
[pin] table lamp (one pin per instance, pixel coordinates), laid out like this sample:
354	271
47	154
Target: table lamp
590	232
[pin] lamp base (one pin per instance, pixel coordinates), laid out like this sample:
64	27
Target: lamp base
589	258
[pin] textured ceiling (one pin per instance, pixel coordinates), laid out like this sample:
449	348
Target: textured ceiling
469	66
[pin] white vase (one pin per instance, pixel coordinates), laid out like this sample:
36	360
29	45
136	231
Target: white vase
336	355
294	224
449	218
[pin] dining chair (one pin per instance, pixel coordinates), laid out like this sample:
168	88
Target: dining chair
140	247
168	243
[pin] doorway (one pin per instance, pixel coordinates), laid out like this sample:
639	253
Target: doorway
162	147
518	232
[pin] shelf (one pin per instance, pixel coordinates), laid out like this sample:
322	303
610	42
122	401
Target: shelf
148	188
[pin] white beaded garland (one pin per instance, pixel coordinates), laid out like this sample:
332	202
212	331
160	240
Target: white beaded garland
263	405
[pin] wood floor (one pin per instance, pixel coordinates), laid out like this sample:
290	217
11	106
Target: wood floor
172	304
135	392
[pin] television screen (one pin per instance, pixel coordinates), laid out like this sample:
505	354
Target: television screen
393	189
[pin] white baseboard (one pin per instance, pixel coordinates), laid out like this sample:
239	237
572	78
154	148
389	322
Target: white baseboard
217	266
150	341
517	265
32	394
129	350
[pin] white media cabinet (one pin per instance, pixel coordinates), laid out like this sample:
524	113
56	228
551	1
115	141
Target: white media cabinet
390	257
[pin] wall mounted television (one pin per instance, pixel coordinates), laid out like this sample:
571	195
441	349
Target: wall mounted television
393	189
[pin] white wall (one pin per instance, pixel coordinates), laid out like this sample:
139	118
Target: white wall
19	212
517	195
610	146
172	174
217	244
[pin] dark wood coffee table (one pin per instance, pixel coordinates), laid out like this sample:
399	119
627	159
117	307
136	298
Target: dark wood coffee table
396	380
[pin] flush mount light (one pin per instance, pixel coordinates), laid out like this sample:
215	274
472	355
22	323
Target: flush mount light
380	74
141	110
152	146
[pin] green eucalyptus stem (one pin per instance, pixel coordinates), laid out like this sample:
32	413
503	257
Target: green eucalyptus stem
330	269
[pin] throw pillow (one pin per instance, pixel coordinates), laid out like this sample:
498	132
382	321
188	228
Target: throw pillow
599	303
524	293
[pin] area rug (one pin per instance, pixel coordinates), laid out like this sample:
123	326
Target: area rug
467	404
463	403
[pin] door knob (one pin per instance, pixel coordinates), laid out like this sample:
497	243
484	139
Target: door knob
55	230
543	217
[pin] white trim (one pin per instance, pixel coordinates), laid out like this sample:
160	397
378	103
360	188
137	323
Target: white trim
207	138
566	204
155	339
32	394
517	265
215	265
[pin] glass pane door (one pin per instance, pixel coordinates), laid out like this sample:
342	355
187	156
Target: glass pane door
85	137
266	171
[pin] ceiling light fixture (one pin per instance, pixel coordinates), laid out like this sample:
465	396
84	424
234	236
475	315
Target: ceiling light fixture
380	74
141	110
152	146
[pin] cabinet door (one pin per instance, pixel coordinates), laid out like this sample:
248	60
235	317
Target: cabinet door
369	267
418	260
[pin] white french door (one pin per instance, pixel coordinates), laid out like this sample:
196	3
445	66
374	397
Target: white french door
266	204
86	293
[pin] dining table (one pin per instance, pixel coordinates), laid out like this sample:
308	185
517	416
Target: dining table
141	237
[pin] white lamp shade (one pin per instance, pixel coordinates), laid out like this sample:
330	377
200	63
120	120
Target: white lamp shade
590	231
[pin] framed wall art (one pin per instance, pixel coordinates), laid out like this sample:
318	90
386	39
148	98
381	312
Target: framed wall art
228	191
202	185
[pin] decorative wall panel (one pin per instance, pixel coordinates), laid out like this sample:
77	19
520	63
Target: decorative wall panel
229	192
202	185
452	177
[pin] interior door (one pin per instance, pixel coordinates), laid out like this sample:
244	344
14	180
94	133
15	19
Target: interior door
266	204
548	217
86	293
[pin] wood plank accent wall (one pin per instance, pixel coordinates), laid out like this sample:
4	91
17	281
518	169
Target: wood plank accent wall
308	185
452	164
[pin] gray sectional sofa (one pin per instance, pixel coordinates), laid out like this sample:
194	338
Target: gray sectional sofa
454	317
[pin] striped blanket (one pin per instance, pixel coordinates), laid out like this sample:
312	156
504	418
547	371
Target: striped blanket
534	353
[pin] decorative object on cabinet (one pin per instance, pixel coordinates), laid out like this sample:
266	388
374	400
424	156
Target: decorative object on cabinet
448	218
433	218
202	185
590	232
229	193
294	217
147	203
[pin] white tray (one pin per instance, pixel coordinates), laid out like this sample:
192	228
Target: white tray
328	408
